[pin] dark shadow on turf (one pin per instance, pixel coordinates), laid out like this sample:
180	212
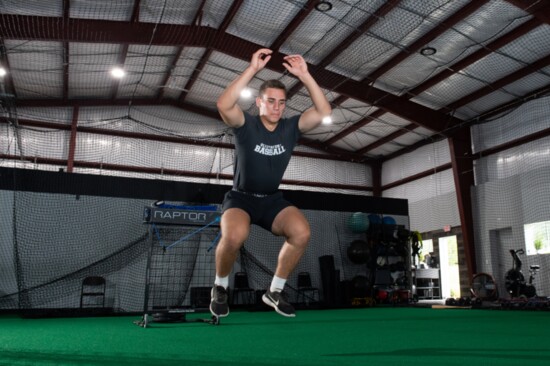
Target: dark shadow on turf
494	353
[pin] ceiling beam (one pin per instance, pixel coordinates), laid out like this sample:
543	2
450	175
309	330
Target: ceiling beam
123	53
388	138
514	143
357	125
401	56
135	12
356	156
502	82
16	26
75	128
206	56
478	155
198	17
65	70
441	28
539	9
339	100
544	91
413	147
169	73
367	24
233	10
116	102
335	153
500	42
121	60
298	19
417	176
514	34
294	23
6	85
484	116
66	9
196	21
171	172
381	12
357	32
65	87
195	75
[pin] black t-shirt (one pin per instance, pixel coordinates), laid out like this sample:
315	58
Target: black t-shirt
262	156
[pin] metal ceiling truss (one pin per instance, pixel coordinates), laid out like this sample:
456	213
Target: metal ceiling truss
67	30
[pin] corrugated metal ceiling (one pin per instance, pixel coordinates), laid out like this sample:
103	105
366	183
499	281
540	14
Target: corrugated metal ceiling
366	55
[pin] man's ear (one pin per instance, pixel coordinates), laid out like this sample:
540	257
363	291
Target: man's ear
258	102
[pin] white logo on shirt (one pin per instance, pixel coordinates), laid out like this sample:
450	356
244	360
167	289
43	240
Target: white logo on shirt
270	150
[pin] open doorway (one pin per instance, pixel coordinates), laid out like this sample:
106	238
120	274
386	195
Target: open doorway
448	262
502	240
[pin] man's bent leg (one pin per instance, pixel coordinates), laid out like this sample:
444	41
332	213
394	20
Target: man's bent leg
292	224
235	227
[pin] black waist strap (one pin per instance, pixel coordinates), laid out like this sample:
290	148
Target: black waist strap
259	195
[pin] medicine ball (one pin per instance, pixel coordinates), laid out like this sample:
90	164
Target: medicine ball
358	222
359	286
358	252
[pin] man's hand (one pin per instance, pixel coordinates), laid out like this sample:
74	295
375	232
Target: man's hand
296	65
260	58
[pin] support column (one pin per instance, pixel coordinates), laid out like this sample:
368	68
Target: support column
376	171
463	171
72	141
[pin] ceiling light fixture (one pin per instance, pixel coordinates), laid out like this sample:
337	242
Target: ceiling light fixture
3	72
323	6
327	120
428	51
246	93
118	73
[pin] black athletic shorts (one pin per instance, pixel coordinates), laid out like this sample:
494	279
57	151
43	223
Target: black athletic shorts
262	210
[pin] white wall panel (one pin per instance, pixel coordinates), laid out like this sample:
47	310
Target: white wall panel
420	160
519	160
527	119
432	201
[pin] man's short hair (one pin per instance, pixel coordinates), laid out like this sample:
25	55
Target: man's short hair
271	84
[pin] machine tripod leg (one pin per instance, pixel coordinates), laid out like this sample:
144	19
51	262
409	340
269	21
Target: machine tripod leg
143	322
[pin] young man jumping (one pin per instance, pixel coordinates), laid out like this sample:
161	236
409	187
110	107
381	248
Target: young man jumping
263	146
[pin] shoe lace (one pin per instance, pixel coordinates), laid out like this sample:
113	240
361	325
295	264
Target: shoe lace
220	294
282	296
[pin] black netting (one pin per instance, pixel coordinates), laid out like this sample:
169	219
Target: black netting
181	259
53	241
59	239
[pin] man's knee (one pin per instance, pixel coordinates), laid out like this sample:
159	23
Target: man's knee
303	235
292	224
235	226
299	233
234	238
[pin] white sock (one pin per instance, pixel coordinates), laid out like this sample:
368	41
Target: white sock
278	284
222	281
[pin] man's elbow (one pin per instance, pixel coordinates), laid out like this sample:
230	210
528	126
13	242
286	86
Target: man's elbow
325	111
220	104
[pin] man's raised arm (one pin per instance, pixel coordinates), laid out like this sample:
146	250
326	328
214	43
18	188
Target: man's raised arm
312	117
227	105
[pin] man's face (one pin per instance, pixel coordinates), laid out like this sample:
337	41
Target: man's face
271	104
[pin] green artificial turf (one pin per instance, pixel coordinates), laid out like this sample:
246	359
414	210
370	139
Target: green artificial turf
369	336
